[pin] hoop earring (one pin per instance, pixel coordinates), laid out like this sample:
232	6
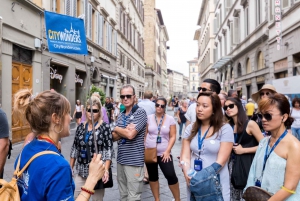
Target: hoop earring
56	131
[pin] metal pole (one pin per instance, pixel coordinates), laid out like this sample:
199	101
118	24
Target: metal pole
89	72
0	61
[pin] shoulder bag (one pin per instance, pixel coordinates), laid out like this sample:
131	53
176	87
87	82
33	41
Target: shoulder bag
241	166
254	193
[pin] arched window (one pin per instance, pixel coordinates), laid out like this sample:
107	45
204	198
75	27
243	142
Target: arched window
260	61
231	72
239	70
248	66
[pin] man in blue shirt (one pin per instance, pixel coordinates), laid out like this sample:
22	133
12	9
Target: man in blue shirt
147	104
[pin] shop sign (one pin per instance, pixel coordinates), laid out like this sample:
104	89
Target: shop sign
54	75
104	57
260	79
282	64
278	23
78	80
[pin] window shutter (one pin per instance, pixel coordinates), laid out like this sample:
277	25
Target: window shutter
85	8
68	7
271	10
236	37
134	38
54	5
110	39
74	8
120	22
100	30
107	33
97	27
116	43
215	25
125	26
89	21
231	35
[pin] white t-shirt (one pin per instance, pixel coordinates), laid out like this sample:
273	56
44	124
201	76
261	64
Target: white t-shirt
190	114
296	115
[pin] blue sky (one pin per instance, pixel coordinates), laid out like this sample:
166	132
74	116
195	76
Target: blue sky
180	18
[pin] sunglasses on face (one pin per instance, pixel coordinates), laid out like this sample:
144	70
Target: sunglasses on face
127	96
266	93
158	105
94	110
230	106
267	116
203	89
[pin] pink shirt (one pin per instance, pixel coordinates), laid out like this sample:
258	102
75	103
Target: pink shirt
164	133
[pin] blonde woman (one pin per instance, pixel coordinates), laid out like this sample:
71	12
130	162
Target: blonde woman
83	147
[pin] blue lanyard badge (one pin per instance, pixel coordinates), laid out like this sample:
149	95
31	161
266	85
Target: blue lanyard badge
88	133
123	140
200	140
158	139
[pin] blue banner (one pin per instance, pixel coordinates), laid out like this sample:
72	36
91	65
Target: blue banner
65	34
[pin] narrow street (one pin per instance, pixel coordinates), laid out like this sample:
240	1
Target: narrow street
113	193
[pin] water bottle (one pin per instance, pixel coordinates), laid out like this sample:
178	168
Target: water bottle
191	173
186	168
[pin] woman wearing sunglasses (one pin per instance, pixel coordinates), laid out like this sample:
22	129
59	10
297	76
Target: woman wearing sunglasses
246	137
161	133
206	147
276	165
83	147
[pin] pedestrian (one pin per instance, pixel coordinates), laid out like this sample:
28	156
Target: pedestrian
223	97
206	85
83	147
181	119
244	101
295	113
161	133
104	112
176	106
192	101
116	110
130	133
232	93
172	102
4	141
78	112
246	138
206	146
276	165
110	109
49	177
250	107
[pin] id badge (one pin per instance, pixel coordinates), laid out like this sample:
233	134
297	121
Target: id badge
158	139
83	153
123	141
197	164
258	183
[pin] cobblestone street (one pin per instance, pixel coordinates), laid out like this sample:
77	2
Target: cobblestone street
113	193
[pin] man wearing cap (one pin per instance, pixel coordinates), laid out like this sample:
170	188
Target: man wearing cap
250	108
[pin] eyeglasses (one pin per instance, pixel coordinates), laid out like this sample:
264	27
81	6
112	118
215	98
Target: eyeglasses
267	93
230	106
94	110
203	89
158	105
267	116
127	96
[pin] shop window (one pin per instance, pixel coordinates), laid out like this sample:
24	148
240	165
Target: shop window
260	61
248	67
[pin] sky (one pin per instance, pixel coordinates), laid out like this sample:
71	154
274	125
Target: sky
180	17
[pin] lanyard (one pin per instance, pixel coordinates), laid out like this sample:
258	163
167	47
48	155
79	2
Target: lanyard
124	120
88	132
159	125
272	149
48	139
200	141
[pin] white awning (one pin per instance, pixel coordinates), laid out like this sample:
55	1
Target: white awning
222	62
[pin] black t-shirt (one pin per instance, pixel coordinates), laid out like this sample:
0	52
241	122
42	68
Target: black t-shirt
4	129
109	107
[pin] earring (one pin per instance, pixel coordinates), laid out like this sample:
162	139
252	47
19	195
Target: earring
55	130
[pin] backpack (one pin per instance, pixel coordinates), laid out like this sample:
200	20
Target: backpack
9	190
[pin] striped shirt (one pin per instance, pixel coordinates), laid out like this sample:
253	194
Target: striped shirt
132	152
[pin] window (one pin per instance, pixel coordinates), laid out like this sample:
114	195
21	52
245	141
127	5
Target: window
236	30
56	6
193	78
225	43
129	64
239	70
71	7
99	29
94	26
193	69
285	4
143	74
246	21
271	10
88	19
231	73
248	66
225	75
260	61
227	6
258	12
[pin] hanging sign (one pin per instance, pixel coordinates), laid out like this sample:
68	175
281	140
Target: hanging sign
54	75
78	80
65	34
278	23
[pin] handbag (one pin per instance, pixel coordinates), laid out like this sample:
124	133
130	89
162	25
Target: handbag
151	155
254	193
241	166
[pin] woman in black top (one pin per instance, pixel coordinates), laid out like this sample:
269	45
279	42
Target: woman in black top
83	147
180	116
247	136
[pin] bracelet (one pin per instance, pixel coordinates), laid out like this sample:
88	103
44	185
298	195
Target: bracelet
84	196
91	192
288	190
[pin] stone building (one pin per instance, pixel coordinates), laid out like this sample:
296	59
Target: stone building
194	77
185	87
175	83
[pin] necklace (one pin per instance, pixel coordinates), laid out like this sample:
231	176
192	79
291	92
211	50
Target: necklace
47	139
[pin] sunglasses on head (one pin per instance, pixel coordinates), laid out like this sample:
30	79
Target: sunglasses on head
94	110
230	106
203	89
158	105
267	116
127	96
267	93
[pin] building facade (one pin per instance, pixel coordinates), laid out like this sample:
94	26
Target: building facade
185	87
130	51
175	83
170	82
194	77
30	65
156	37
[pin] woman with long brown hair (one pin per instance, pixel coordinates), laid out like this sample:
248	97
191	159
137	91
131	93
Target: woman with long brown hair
206	148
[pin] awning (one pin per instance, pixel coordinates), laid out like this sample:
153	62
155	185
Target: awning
222	62
122	75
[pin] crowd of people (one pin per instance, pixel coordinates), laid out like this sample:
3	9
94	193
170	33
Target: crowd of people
229	145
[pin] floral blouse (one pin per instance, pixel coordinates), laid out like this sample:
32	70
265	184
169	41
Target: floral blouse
105	147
